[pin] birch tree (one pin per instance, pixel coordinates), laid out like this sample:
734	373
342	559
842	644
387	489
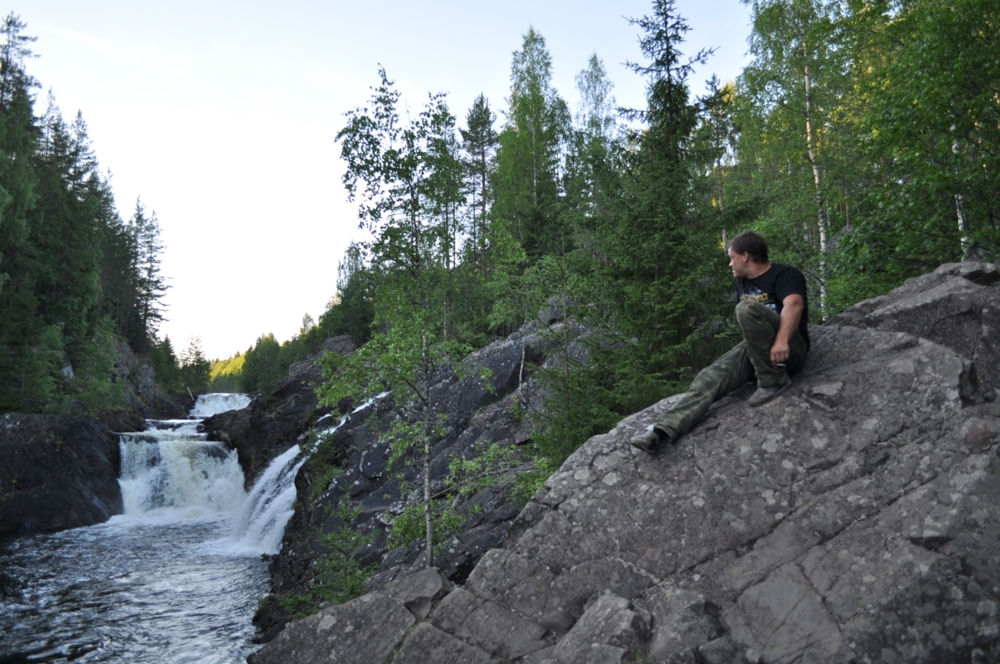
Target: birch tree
405	187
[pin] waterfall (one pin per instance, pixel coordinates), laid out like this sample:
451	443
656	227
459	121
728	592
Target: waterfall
207	405
268	507
174	470
170	472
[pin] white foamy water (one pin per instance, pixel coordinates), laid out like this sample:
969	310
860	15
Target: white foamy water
176	578
207	405
171	468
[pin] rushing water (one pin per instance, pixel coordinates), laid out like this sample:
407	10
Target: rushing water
176	578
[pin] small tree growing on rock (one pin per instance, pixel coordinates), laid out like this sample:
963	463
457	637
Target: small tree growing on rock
402	173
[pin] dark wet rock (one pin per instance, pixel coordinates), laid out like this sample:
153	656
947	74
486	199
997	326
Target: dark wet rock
482	408
57	472
274	422
856	518
145	398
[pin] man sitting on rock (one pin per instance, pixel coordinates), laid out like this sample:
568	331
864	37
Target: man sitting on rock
773	314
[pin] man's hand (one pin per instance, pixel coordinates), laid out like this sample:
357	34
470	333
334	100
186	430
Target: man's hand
779	352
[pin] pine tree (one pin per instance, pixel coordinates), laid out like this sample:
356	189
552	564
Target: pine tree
195	367
479	142
18	136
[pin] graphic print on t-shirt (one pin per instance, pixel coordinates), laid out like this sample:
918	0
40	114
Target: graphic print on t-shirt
755	294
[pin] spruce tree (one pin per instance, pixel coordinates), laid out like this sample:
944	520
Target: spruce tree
661	270
150	284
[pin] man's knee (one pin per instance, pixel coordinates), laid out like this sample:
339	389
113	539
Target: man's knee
709	379
706	380
749	309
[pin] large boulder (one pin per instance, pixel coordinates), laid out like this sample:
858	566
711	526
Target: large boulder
855	518
956	306
57	472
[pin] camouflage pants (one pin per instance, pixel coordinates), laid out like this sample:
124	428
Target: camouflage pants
751	357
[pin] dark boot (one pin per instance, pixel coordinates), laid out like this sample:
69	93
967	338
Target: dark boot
651	440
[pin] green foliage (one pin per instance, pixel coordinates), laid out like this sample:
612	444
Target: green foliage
95	390
338	576
927	89
195	368
226	375
72	275
404	176
487	467
323	466
526	180
262	370
165	364
409	525
352	310
526	485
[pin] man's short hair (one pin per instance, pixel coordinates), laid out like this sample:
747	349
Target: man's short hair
749	242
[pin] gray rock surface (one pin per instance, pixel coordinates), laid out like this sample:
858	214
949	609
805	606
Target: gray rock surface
145	398
428	644
362	631
955	306
606	632
480	411
56	472
418	591
855	518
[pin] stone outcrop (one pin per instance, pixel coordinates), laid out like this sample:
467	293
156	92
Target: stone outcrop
855	518
56	472
275	421
480	411
145	398
962	314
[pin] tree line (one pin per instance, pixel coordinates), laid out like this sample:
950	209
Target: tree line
76	280
861	140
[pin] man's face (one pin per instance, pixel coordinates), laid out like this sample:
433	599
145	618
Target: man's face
739	264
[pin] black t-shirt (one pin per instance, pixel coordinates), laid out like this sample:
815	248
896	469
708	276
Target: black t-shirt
771	289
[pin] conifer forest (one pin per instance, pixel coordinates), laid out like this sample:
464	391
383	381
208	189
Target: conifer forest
862	140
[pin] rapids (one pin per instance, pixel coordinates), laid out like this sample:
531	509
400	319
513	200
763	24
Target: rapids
174	579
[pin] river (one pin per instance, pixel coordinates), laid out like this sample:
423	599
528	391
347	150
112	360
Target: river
176	578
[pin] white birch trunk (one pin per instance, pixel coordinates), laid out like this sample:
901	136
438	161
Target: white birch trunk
428	429
820	202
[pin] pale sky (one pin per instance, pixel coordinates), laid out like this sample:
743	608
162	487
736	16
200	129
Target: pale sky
222	115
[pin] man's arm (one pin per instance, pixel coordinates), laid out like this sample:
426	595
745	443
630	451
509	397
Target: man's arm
791	313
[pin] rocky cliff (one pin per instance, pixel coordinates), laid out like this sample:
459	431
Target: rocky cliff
275	421
480	412
61	471
856	518
57	472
